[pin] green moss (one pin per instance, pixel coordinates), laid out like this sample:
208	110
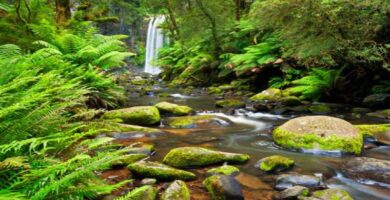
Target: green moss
312	141
164	94
270	94
177	190
146	192
196	156
332	194
231	103
188	121
273	163
160	171
370	130
226	87
320	109
214	90
139	115
291	101
129	159
166	107
140	82
224	170
211	184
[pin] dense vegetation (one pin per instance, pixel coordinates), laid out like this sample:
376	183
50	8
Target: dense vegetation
56	64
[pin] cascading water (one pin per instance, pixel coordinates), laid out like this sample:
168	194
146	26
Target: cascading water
155	40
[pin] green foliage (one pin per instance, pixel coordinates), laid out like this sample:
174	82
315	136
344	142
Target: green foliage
318	83
381	88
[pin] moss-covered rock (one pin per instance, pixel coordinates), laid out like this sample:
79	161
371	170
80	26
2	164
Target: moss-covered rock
294	192
227	170
332	194
214	90
230	103
195	121
290	101
223	187
275	163
196	157
160	171
177	190
320	109
146	192
110	128
370	130
319	132
141	82
359	110
166	107
139	115
269	95
163	94
129	159
381	114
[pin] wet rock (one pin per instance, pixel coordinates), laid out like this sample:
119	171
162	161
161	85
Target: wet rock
226	87
139	115
381	114
269	95
196	121
291	101
275	163
176	190
377	101
320	109
179	110
370	130
363	169
141	82
163	94
200	139
319	133
159	171
230	103
223	187
146	192
148	181
195	157
383	138
252	182
286	181
227	170
360	110
293	192
332	194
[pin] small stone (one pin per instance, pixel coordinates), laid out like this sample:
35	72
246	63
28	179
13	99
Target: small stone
177	190
184	157
223	187
230	103
275	163
227	170
286	181
148	181
294	192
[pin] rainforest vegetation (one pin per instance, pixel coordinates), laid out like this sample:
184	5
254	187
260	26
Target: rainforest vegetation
69	70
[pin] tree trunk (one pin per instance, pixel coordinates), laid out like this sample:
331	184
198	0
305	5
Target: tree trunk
174	29
238	9
212	22
63	13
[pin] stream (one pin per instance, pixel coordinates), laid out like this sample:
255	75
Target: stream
250	132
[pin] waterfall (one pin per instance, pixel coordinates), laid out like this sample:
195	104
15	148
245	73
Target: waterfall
155	40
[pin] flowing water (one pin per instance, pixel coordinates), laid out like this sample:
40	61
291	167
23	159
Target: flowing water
249	132
155	40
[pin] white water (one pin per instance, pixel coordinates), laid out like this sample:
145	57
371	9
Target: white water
155	40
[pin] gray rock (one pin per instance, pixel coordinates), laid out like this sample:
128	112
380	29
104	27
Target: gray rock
148	181
364	169
286	181
223	187
294	192
377	100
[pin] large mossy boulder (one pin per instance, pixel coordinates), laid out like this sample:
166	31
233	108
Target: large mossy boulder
269	95
197	121
177	190
174	109
319	133
139	115
332	194
184	157
368	169
160	171
223	187
275	163
146	192
230	103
